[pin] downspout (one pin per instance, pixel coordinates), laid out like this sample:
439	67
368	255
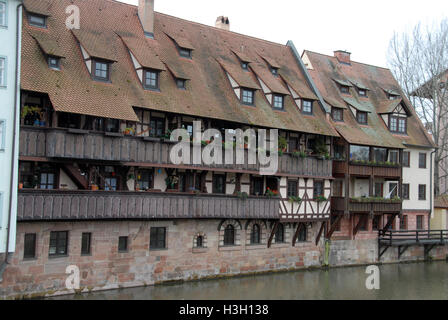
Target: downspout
13	158
431	196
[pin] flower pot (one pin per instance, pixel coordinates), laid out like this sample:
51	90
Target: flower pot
94	187
21	185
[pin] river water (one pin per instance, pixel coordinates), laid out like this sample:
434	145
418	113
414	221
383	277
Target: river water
399	281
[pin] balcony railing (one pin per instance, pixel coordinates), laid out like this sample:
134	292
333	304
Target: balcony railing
379	206
52	205
357	169
78	144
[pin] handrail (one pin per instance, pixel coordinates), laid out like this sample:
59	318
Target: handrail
414	235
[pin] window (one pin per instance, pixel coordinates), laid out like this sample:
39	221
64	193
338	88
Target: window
378	190
406	159
362	92
292	188
145	179
278	101
181	83
229	235
274	71
318	189
247	96
29	250
422	160
151	80
422	192
307	106
280	233
184	52
100	70
37	20
380	154
393	190
2	72
3	22
398	124
54	63
257	186
58	243
157	127
199	242
376	222
420	223
86	243
69	120
404	222
47	180
255	235
361	117
2	135
359	153
337	114
245	65
122	244
219	184
157	238
339	152
362	223
302	237
112	125
393	156
345	89
405	191
110	184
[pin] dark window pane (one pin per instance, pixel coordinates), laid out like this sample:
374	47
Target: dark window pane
58	243
302	237
420	223
157	238
406	159
29	250
405	191
380	154
258	184
219	184
394	156
280	233
292	188
359	153
199	242
422	161
393	190
123	244
422	192
403	222
229	235
255	234
85	243
318	189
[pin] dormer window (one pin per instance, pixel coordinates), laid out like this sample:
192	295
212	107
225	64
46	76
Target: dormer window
278	102
398	124
362	93
185	53
307	107
344	89
361	117
245	65
37	20
337	114
247	96
151	79
274	71
54	62
181	83
393	97
101	70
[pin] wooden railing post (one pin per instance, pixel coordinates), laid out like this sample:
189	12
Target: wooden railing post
416	235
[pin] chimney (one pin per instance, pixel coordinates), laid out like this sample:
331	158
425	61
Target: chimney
146	15
342	56
223	23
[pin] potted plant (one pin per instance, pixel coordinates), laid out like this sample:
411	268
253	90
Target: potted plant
321	199
242	195
271	193
129	131
282	143
171	182
94	187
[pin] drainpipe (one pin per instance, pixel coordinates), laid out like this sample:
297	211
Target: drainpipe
13	158
431	196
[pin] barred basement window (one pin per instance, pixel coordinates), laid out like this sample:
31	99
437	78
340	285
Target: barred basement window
255	235
86	244
29	250
229	235
157	238
280	233
58	243
122	244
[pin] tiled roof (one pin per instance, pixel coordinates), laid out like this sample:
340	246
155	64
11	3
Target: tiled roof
110	29
388	106
43	7
49	45
326	70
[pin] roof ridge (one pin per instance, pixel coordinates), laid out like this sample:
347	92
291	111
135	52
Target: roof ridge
327	55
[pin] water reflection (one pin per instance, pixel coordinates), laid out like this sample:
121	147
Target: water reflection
404	281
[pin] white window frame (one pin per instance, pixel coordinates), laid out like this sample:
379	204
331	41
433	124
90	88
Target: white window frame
5	21
3	80
2	135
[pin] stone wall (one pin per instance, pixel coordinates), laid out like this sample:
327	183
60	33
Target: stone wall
107	268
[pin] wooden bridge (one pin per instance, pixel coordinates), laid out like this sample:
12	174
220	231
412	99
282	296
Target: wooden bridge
403	239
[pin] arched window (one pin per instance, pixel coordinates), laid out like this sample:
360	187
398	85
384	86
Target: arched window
200	242
255	234
302	234
229	235
280	234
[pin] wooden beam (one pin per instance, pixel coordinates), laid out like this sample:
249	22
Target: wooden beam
358	225
400	251
274	230
296	234
389	222
334	226
320	232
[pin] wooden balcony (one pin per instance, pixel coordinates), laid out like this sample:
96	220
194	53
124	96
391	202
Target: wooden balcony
354	169
53	143
378	206
52	205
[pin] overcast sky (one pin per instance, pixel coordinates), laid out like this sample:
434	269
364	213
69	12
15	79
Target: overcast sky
362	27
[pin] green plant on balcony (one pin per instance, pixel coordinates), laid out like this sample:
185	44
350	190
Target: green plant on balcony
271	193
171	182
320	148
294	199
375	200
321	199
242	195
282	143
